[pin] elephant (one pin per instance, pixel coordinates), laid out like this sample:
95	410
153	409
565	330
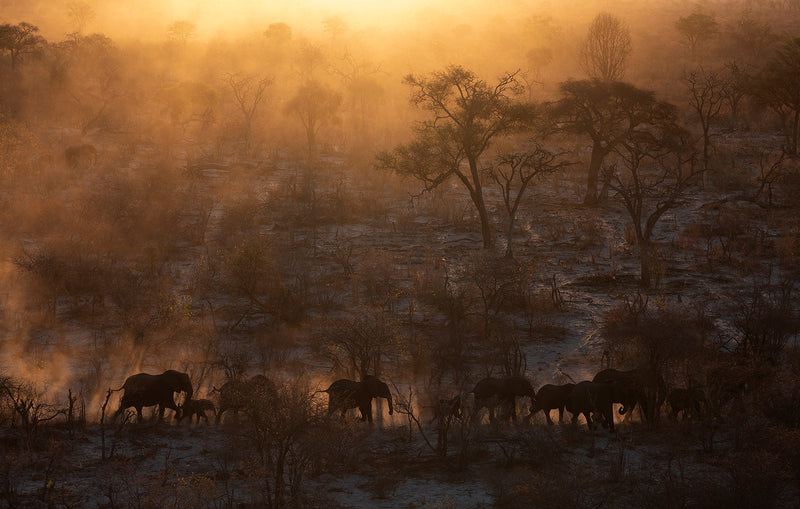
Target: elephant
589	398
688	401
196	407
345	394
490	392
551	397
143	390
237	394
81	156
637	386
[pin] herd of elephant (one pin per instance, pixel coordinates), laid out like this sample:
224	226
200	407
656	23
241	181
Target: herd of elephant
593	399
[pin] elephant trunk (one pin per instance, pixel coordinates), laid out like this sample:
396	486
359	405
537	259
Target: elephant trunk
389	400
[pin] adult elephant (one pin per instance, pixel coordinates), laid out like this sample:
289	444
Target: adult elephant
144	389
237	394
490	392
592	398
345	394
689	401
637	386
551	397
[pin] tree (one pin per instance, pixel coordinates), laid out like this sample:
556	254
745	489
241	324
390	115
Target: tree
609	113
778	86
248	93
20	39
468	115
650	178
707	93
513	172
697	28
605	51
751	37
80	13
316	105
181	31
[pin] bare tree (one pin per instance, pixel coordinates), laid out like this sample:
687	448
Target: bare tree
707	92
248	93
468	115
513	172
605	51
655	169
80	13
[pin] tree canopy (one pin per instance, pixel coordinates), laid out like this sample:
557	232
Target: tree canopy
467	115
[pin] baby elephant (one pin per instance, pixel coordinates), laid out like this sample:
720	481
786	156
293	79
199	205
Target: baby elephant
197	407
688	401
551	397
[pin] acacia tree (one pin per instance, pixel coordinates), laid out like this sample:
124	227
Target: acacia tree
697	28
778	86
513	172
655	167
468	115
608	113
20	39
605	51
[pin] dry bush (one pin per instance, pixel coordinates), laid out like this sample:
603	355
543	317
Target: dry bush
660	337
550	488
358	343
377	273
765	318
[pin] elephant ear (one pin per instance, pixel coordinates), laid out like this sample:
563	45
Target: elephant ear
374	385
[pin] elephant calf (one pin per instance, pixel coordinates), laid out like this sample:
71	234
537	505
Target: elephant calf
196	407
551	397
688	401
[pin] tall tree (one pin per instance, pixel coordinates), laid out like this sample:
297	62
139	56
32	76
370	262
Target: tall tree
467	115
697	28
778	86
80	13
605	51
707	93
248	93
654	169
316	105
608	113
20	39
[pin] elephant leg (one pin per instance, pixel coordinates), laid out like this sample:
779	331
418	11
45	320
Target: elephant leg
547	416
139	416
561	415
589	422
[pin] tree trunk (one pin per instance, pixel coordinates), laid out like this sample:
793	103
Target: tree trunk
509	236
598	154
645	258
